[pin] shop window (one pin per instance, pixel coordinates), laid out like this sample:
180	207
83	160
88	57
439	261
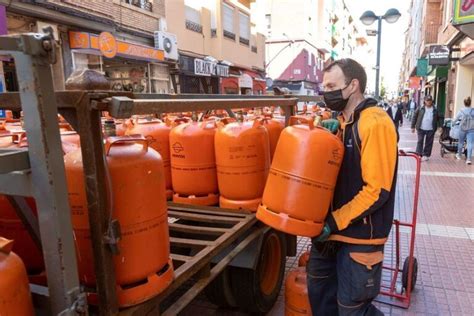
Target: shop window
228	21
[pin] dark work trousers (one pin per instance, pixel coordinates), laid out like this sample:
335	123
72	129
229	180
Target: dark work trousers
338	285
425	142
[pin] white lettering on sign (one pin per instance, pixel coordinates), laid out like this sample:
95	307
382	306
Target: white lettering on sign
209	68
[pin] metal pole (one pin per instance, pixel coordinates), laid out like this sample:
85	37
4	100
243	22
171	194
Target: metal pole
377	67
47	171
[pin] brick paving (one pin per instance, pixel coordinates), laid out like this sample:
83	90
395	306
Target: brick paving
444	244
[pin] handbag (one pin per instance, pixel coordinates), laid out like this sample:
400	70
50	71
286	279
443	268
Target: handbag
455	130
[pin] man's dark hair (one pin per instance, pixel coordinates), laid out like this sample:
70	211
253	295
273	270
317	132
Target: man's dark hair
351	70
467	101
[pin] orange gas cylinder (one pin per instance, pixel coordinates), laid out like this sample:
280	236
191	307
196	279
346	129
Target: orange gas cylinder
274	128
15	297
243	160
306	163
296	294
70	141
11	227
157	133
143	267
193	163
122	126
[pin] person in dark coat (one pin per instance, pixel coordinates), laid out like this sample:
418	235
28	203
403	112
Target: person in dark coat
395	114
425	122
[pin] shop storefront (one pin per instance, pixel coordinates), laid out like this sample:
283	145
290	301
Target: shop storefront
243	81
128	66
197	75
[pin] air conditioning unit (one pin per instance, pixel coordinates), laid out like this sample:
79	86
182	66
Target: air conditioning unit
42	25
168	43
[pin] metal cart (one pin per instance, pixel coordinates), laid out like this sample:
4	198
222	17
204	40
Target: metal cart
237	237
403	278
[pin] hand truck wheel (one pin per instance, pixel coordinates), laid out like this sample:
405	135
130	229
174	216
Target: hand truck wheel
441	151
405	273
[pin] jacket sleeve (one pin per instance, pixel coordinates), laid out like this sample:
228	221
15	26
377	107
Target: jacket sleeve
458	116
414	118
378	161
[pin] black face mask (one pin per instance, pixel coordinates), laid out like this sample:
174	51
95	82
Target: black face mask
334	99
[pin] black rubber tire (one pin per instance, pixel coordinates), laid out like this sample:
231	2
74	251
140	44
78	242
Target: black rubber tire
441	151
405	274
246	283
219	291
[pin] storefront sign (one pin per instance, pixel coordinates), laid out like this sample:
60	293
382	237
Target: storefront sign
422	67
439	55
3	20
106	44
209	68
222	71
245	81
414	83
463	12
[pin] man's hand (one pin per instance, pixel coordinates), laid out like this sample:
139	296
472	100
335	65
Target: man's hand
324	235
331	124
412	130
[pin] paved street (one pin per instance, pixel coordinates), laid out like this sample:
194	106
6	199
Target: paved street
444	238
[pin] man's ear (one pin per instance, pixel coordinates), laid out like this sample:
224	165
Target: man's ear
356	85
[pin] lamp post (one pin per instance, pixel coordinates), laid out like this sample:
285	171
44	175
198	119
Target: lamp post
369	17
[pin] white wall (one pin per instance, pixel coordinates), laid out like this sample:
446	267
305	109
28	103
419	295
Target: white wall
464	86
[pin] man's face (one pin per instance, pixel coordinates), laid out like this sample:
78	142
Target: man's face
428	103
334	80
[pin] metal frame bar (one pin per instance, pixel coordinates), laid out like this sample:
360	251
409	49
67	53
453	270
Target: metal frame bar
404	299
33	55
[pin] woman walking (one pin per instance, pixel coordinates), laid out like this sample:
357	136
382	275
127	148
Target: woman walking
466	117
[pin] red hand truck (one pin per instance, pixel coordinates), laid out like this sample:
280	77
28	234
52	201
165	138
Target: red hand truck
398	292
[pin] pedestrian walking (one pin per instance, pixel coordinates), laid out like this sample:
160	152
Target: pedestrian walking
345	265
425	122
466	133
395	114
411	108
404	106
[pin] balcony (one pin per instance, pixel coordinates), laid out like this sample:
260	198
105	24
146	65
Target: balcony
193	26
142	4
430	35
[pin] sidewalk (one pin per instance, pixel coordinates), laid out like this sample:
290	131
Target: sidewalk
444	238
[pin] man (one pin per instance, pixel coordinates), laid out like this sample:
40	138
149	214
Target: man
345	265
425	121
411	108
395	114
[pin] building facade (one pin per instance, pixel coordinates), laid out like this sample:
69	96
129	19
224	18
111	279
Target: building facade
302	35
221	50
115	37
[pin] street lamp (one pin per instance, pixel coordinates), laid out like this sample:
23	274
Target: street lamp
369	17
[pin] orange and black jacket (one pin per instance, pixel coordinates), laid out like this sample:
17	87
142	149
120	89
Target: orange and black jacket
364	197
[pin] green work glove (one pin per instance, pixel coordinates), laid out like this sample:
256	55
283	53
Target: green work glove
331	124
324	235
